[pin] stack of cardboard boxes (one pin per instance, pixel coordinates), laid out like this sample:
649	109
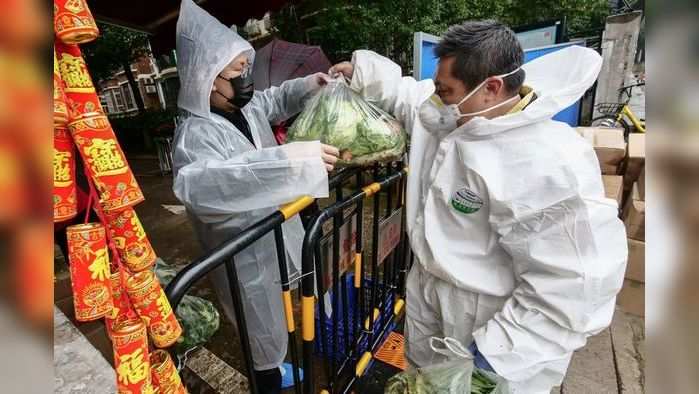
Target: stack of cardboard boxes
623	174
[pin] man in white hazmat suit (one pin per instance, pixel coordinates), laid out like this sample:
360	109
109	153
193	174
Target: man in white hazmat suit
230	173
520	255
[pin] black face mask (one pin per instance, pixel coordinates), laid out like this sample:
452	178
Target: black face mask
243	89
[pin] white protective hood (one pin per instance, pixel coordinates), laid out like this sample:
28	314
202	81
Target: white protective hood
575	70
204	47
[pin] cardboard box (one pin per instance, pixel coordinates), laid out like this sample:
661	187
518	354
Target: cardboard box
613	187
636	160
608	169
632	297
634	216
636	266
609	146
641	182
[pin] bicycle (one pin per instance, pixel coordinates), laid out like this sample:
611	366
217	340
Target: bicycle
615	115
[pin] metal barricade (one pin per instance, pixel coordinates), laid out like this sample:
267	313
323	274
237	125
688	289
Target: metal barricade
225	254
378	295
163	146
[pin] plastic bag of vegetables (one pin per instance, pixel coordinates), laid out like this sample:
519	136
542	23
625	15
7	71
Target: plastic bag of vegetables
451	377
362	132
198	317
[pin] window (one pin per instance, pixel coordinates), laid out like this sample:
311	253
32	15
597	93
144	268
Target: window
171	88
106	102
128	96
118	99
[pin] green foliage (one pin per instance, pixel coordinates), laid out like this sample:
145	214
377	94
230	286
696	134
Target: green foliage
114	47
387	26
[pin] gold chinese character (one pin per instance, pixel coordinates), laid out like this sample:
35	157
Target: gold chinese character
132	369
75	75
61	168
140	232
148	389
163	306
100	266
105	157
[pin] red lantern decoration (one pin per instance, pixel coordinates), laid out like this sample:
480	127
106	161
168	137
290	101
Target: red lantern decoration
122	309
73	22
65	202
60	108
89	271
151	304
82	99
131	357
164	375
106	163
131	241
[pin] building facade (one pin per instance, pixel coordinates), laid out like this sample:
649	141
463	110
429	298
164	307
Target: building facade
157	82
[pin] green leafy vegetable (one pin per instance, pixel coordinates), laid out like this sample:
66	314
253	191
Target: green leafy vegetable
362	132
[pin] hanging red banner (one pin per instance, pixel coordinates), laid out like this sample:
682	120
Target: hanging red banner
89	271
151	304
106	163
131	241
164	375
131	357
65	201
73	23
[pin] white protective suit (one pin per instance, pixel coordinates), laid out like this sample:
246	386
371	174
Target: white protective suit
533	266
227	184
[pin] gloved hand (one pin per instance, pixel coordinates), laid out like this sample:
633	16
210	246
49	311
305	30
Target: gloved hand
344	68
478	359
316	81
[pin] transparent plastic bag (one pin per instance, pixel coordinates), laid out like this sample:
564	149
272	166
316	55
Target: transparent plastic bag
199	318
456	376
451	377
362	132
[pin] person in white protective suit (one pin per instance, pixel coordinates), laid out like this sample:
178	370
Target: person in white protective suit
524	255
230	173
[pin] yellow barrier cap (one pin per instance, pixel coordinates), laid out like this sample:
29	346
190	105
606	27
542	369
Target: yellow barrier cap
308	318
288	311
376	316
363	363
371	189
398	307
295	207
357	270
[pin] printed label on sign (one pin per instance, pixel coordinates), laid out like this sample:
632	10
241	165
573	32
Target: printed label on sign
466	201
348	240
389	234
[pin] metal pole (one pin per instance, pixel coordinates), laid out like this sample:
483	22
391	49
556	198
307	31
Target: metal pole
232	275
288	310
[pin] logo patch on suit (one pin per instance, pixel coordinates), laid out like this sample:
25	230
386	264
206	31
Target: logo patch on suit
466	201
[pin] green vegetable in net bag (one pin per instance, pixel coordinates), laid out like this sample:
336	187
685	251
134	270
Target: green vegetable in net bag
362	132
457	375
198	317
452	377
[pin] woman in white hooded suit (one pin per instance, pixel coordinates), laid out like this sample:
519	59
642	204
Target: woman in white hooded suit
229	171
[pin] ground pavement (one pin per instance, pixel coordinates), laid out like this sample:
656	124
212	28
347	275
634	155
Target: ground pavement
612	362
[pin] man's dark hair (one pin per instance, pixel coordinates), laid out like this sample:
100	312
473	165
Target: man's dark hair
482	49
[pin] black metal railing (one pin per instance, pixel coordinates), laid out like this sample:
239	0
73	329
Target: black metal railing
386	290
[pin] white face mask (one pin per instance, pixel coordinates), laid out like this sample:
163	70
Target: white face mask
437	116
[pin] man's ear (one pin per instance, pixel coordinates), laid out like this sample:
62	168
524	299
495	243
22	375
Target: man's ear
494	87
